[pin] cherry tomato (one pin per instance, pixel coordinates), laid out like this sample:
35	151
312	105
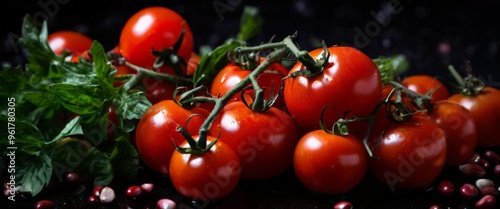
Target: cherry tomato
349	82
157	128
154	28
192	64
264	141
207	176
423	84
158	90
485	109
269	80
74	42
410	154
328	163
460	129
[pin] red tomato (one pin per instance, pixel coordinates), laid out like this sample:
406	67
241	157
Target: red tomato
459	127
154	28
485	109
232	74
329	163
410	154
158	90
350	82
264	141
74	42
192	64
208	176
423	84
157	128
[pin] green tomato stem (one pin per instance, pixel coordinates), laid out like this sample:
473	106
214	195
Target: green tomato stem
143	72
456	75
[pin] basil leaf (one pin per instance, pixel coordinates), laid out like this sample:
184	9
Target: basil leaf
213	62
98	166
41	99
40	56
102	66
125	158
34	172
71	128
250	23
27	139
132	105
80	99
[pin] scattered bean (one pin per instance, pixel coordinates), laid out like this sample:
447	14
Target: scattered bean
343	205
488	190
45	204
446	188
486	202
134	191
92	200
469	191
97	191
165	204
496	170
107	195
492	157
472	170
480	183
147	187
484	163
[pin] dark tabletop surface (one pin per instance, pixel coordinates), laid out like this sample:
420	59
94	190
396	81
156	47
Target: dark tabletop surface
431	35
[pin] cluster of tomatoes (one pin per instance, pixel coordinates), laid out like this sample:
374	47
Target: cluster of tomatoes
332	121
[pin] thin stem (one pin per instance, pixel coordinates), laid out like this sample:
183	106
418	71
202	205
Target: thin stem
456	75
143	72
220	102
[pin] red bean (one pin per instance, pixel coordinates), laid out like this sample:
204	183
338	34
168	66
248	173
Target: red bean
165	204
75	178
489	190
472	170
486	202
474	158
469	191
45	204
435	207
343	205
93	200
484	163
491	156
147	187
134	191
446	188
107	195
496	170
97	191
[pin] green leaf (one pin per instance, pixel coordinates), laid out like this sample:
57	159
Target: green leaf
27	137
41	99
213	62
125	158
95	127
390	67
102	66
98	166
72	128
33	172
132	105
40	56
250	23
80	99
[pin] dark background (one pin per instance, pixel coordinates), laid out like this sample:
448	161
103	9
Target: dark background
432	36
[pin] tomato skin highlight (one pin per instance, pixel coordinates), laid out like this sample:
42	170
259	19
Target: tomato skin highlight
263	141
157	129
208	176
460	129
350	82
424	83
75	42
410	154
154	28
485	109
328	163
